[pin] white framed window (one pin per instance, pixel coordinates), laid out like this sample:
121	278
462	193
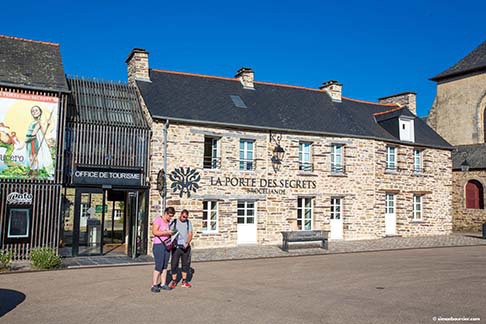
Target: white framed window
390	203
418	161
336	208
304	213
391	158
417	207
337	165
246	212
210	216
247	160
212	158
83	215
117	214
305	163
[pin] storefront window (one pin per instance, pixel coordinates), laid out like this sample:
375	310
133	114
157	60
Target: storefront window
18	223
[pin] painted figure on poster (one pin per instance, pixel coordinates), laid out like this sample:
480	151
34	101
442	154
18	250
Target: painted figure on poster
18	155
37	149
6	142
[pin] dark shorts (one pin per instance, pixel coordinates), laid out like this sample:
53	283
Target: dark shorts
161	257
184	255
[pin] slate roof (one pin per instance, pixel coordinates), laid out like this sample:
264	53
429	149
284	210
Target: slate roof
31	64
475	155
473	62
207	100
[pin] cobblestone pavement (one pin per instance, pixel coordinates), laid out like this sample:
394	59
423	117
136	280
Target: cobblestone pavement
296	249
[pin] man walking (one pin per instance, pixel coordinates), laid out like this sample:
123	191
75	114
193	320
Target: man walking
183	249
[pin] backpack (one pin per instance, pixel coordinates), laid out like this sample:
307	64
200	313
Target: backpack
174	223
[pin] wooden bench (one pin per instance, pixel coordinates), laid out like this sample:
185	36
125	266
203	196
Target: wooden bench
304	236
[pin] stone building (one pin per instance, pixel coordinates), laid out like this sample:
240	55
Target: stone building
459	115
85	165
250	159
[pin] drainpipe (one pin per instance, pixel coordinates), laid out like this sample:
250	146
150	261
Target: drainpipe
164	198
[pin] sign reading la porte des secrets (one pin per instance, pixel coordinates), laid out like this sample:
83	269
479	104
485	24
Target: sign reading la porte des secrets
262	185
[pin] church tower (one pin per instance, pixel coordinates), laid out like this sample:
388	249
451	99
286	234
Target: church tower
458	113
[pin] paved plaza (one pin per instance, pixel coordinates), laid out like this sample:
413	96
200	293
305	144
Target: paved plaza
296	249
404	286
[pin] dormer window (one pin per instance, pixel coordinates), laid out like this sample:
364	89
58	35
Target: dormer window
406	129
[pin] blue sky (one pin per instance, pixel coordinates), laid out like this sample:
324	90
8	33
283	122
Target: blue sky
374	48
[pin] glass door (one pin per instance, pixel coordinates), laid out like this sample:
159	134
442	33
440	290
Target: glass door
137	223
88	233
132	209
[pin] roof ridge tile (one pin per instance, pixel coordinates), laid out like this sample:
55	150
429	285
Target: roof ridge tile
387	111
234	79
370	102
29	40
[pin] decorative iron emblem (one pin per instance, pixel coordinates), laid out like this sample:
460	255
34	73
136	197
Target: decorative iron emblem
184	181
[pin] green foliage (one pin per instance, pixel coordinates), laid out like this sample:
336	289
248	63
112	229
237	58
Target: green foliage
45	258
22	172
5	260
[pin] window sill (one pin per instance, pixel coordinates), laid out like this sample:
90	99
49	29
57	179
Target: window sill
247	171
391	171
307	173
417	221
212	169
338	174
418	174
209	233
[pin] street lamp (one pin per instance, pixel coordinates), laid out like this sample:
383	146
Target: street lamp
161	183
278	152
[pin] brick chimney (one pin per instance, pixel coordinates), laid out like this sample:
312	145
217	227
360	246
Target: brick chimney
404	99
138	65
246	76
333	89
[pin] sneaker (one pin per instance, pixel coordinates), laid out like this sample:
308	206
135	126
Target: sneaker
155	289
172	284
165	287
186	284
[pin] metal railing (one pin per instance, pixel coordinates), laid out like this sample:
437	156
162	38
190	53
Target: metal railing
306	166
210	162
391	167
337	168
247	165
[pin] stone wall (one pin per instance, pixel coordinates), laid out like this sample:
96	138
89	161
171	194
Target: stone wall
362	187
466	219
406	99
458	111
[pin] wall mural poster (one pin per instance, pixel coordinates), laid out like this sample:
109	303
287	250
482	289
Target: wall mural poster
28	133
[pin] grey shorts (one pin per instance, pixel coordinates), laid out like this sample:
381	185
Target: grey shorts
161	257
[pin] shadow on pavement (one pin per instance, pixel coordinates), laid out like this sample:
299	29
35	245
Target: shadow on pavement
9	299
